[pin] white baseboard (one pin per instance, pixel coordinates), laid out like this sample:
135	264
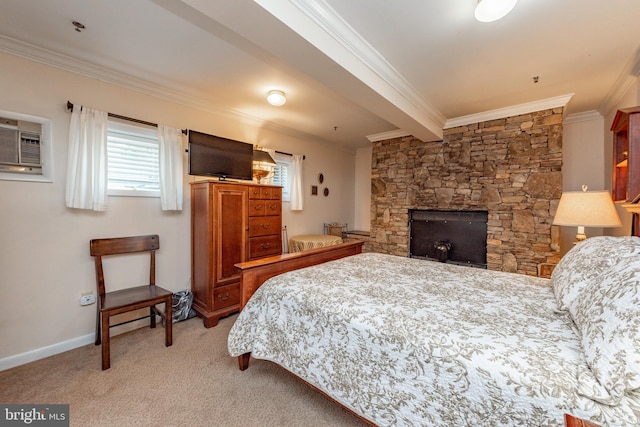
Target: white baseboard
41	353
61	347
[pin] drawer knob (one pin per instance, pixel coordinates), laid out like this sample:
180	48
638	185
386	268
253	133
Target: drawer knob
226	296
265	226
257	207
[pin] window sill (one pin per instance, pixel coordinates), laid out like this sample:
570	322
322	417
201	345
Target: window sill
8	176
132	193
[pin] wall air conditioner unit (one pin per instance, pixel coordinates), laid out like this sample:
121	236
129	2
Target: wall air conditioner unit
20	146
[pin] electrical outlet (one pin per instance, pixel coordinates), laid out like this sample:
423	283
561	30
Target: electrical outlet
87	299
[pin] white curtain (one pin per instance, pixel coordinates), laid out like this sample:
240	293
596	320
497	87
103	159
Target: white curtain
170	141
86	186
297	194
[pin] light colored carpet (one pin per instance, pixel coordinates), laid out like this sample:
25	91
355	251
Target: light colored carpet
192	383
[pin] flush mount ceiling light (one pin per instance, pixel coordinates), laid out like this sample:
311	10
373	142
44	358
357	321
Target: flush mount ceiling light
276	98
492	10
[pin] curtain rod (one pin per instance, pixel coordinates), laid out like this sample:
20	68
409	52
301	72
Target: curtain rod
289	154
129	119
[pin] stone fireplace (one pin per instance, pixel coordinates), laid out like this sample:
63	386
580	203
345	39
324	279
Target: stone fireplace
509	167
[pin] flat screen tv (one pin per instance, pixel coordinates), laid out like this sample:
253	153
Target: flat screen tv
219	157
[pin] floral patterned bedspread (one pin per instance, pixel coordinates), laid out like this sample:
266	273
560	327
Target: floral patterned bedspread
409	342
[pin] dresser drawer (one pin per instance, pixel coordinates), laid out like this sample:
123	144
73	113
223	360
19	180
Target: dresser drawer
265	207
273	207
264	225
276	193
226	296
257	207
254	192
264	246
265	192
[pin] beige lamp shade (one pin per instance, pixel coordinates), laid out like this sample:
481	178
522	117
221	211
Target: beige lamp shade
586	209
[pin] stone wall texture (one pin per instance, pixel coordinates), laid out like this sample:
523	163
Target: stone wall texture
510	167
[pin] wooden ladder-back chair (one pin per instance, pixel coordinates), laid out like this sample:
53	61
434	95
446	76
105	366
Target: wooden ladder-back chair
130	299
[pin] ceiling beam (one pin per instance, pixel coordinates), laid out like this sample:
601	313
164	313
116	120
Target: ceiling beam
314	39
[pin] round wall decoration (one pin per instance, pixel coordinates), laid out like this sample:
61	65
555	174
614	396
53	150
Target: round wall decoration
326	192
320	178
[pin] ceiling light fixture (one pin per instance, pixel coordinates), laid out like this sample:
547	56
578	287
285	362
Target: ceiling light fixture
276	98
492	10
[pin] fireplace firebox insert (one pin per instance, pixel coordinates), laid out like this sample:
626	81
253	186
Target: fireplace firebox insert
456	237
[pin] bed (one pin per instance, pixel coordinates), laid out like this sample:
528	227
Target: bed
408	342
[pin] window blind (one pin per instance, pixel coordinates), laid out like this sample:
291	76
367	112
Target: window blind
133	158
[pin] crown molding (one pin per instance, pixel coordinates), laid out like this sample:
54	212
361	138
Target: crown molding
160	90
398	133
320	25
583	117
323	15
514	110
171	93
627	78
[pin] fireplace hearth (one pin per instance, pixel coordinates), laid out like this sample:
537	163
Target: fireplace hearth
456	237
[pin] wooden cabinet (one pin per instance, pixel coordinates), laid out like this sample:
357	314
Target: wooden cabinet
626	154
230	223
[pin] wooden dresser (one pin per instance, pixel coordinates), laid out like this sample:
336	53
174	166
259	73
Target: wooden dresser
230	223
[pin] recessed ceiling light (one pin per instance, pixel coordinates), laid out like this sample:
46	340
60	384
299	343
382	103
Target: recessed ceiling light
492	10
276	98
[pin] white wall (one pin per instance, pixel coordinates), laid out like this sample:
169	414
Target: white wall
362	213
583	157
44	248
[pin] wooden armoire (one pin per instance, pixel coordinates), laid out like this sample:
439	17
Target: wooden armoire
230	223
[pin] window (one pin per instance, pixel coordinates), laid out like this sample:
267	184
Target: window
133	160
282	175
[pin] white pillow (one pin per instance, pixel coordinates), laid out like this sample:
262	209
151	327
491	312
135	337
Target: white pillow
607	315
586	261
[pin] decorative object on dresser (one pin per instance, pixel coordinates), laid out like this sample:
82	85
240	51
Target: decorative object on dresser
230	223
128	299
263	164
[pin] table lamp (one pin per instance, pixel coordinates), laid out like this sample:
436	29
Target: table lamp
262	164
586	209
